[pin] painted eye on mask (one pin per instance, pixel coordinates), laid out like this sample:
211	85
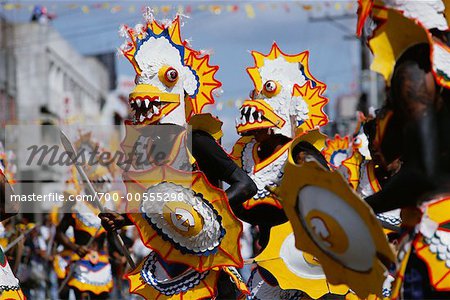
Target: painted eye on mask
168	76
271	88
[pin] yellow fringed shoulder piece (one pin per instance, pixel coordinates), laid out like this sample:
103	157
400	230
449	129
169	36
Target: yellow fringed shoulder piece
353	166
396	34
315	137
433	250
207	123
236	152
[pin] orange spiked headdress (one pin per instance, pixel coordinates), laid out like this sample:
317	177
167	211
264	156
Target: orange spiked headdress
286	96
173	80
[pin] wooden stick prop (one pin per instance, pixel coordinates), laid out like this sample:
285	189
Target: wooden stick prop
90	188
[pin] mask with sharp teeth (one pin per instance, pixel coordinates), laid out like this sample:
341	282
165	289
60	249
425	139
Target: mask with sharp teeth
173	81
286	97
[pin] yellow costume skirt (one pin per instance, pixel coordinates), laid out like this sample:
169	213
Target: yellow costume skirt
12	295
92	274
61	262
155	279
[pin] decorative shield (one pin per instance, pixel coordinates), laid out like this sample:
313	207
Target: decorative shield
182	217
294	269
334	225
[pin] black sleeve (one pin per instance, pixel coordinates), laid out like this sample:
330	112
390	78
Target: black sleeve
211	158
215	163
403	189
263	214
420	173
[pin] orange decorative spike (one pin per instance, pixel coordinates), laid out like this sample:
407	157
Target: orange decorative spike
316	103
336	150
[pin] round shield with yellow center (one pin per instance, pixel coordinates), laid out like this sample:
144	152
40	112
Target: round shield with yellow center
294	269
184	218
333	224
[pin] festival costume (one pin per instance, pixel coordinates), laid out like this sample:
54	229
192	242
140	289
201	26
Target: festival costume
422	253
347	244
429	242
285	96
350	155
395	17
293	272
9	284
194	235
91	273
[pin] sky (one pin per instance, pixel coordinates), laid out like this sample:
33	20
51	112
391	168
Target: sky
334	52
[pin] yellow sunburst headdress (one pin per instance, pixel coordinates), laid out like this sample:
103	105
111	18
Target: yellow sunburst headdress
337	150
286	96
173	80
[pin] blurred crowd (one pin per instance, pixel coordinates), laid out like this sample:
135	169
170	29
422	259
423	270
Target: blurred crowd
31	248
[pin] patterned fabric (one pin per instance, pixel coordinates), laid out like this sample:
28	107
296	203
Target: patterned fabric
154	273
8	282
263	285
391	217
206	241
92	274
61	262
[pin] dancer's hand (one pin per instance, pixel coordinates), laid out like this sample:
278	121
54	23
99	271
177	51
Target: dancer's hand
112	220
81	251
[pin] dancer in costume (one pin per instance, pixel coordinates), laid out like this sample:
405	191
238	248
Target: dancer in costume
194	237
351	156
84	263
9	284
286	101
414	127
416	110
